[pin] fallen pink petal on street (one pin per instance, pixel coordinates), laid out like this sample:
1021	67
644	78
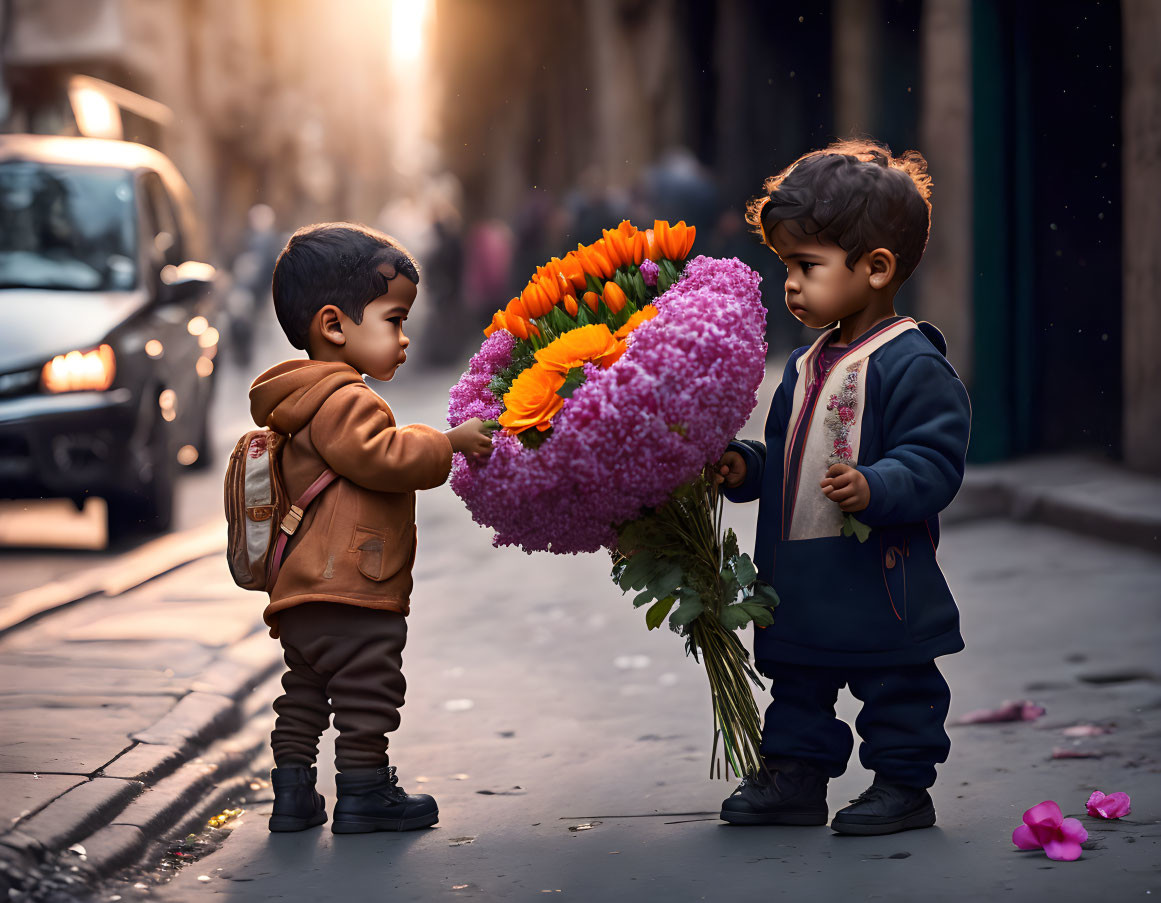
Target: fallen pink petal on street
1046	828
1113	805
1020	710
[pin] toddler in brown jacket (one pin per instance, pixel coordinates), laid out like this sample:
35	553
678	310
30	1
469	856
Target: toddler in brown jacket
342	293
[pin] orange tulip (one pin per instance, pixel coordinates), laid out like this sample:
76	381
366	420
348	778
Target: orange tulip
576	347
619	246
671	242
595	260
554	271
614	297
570	305
518	326
498	322
648	312
592	299
640	243
535	299
573	271
516	308
532	401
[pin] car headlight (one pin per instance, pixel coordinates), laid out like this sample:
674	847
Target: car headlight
79	371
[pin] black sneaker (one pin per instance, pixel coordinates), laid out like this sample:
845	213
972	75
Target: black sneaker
297	806
790	792
370	799
886	809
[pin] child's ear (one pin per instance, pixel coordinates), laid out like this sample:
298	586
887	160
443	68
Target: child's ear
884	266
330	325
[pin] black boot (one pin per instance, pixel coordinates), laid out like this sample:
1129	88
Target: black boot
885	808
370	799
297	806
790	792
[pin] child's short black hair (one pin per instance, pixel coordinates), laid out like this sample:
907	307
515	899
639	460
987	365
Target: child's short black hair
334	263
853	194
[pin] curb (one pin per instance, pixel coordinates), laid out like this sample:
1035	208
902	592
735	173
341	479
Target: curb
120	812
128	571
1116	507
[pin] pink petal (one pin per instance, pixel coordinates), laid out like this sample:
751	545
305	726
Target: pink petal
1072	829
1021	710
1068	752
1086	730
1112	806
1045	814
1025	839
1062	850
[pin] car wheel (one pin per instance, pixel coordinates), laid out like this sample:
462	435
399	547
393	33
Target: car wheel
148	506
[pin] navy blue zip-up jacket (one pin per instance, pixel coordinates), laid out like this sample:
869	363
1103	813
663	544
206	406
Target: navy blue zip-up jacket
883	601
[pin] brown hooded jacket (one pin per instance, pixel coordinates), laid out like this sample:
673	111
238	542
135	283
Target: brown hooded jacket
356	544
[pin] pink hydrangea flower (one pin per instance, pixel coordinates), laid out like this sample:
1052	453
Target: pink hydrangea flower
1112	806
630	434
1045	827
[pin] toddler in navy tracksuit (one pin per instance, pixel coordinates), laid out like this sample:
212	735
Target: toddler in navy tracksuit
871	422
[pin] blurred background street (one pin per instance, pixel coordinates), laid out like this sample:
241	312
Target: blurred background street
155	154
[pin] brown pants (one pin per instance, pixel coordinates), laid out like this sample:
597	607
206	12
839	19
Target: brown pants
341	659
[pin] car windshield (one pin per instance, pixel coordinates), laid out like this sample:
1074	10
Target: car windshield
66	227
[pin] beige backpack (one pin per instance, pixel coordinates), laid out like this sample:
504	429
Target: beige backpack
259	515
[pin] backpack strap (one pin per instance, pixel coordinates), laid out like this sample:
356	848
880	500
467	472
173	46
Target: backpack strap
293	518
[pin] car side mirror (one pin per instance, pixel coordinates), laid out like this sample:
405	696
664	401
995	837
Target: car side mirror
186	281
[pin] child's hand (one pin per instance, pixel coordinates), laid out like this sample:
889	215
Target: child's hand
730	469
847	487
471	437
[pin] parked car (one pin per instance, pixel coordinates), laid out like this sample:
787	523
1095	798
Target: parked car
107	338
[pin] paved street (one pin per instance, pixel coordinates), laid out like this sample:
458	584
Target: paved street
538	705
569	748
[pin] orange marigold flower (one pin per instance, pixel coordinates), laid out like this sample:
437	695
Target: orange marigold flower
576	347
592	299
648	312
614	297
532	401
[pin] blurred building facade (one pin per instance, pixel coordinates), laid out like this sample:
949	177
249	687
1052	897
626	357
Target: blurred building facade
1039	119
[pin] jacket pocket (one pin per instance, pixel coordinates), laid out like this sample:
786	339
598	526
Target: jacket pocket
381	554
834	596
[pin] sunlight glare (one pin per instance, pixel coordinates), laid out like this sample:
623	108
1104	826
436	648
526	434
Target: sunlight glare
408	22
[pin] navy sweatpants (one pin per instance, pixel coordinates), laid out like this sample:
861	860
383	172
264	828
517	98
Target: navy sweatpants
901	722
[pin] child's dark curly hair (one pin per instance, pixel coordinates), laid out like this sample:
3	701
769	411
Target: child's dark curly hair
853	194
334	263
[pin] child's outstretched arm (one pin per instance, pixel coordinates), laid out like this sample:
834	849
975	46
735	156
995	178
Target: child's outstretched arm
926	423
358	440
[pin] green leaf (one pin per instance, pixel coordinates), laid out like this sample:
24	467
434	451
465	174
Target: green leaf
764	594
573	380
646	595
730	545
641	568
734	617
743	569
658	611
852	526
689	609
760	613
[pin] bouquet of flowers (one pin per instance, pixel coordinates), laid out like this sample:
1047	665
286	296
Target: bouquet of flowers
614	378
